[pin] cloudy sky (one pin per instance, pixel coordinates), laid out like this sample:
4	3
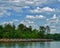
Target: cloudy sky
31	13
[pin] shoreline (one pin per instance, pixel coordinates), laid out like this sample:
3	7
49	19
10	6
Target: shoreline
25	40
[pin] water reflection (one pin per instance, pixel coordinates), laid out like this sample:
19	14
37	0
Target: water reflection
30	45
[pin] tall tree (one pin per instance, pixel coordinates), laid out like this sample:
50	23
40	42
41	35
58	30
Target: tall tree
47	29
21	27
42	31
9	29
1	31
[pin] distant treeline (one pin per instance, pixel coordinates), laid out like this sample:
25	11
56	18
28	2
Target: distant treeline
10	31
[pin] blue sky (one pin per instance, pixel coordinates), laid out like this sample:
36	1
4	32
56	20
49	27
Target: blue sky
33	13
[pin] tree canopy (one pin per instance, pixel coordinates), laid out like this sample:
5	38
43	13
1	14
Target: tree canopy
10	31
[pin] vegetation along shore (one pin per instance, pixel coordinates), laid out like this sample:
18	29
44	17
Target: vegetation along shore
10	32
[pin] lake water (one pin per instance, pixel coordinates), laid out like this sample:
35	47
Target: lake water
31	45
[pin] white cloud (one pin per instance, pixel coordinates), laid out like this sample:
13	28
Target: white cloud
53	27
47	19
26	7
30	23
29	2
44	9
10	22
18	4
17	9
53	23
7	22
53	31
54	16
15	20
54	19
14	0
3	10
37	10
9	0
30	17
35	17
39	17
27	22
23	2
48	9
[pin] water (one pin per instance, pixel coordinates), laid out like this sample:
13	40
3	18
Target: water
31	45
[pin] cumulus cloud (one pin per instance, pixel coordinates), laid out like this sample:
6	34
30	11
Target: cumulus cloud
9	0
18	4
37	10
17	9
44	9
53	31
23	2
47	19
54	19
10	22
7	22
30	23
54	16
35	17
27	22
48	9
25	7
39	17
30	16
15	20
54	23
4	10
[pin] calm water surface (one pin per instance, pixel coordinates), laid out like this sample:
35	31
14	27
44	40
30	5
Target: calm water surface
31	45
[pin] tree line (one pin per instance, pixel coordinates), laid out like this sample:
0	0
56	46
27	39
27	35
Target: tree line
23	32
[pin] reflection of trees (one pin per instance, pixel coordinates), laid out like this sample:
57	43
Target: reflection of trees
42	44
45	44
7	45
26	45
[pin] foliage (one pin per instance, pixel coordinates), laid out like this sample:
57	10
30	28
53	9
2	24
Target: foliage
10	31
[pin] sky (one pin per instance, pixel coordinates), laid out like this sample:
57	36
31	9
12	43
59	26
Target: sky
33	13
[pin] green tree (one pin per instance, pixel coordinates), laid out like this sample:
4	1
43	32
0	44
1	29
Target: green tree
30	28
9	29
1	31
41	32
34	33
21	27
47	29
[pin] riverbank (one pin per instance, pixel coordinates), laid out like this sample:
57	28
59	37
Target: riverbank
25	40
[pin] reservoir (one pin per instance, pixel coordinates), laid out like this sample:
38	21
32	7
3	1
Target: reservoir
54	44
